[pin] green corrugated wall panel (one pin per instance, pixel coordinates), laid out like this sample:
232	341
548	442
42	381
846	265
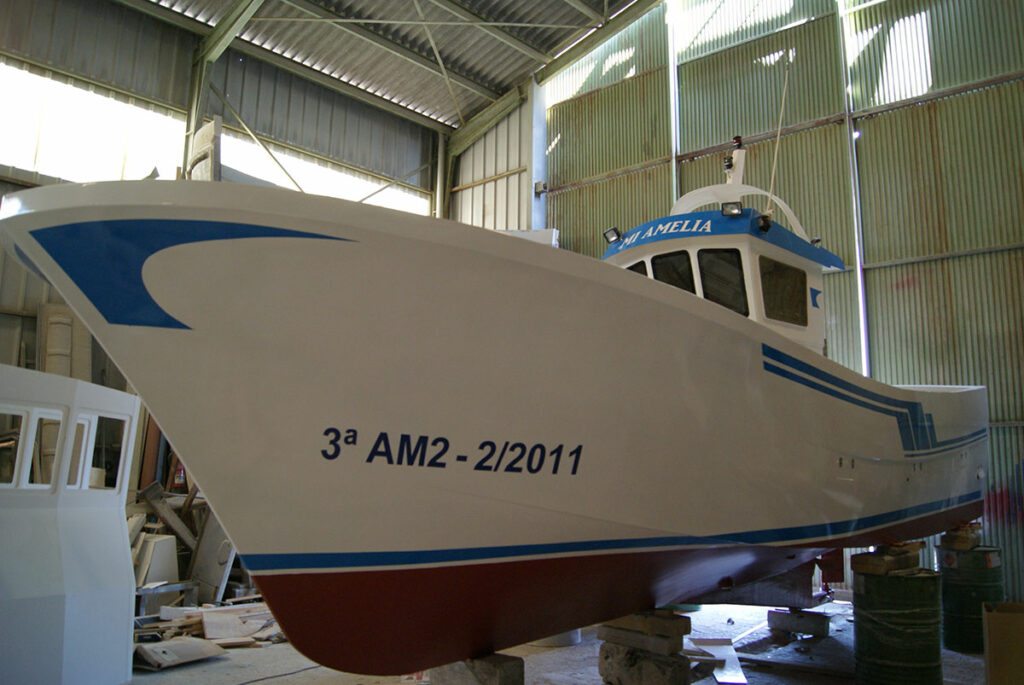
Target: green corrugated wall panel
842	319
944	176
739	91
706	26
951	322
1004	505
812	177
637	49
582	214
609	129
899	50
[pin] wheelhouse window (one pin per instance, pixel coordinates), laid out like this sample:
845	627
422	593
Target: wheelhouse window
10	434
639	267
675	269
721	274
106	453
785	291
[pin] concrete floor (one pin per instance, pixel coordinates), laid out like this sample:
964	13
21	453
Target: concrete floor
809	661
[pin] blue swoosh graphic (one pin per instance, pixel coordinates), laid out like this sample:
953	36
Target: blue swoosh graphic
105	259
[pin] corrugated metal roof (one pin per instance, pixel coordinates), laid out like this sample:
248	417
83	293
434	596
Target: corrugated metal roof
384	47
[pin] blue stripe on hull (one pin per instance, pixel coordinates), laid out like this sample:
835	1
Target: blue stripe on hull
314	560
916	427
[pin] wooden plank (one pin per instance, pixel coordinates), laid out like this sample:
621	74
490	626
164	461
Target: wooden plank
654	623
154	494
220	625
159	655
233	641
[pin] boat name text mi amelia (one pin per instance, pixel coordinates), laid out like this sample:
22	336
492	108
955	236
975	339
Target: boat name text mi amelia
669	227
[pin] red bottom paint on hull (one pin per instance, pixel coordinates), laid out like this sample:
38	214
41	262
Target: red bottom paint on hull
390	622
399	621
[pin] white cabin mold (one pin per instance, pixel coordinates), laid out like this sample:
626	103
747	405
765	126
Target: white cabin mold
66	582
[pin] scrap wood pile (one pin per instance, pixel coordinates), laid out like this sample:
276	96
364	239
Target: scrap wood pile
184	565
179	635
241	625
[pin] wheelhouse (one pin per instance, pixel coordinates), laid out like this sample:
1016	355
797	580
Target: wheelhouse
737	258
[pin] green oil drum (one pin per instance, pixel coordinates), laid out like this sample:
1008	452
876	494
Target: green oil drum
897	628
969	579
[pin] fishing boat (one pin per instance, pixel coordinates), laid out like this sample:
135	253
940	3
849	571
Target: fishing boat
429	441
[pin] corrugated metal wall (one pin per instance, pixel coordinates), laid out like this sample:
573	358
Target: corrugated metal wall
609	137
636	49
293	111
701	28
739	91
111	45
492	187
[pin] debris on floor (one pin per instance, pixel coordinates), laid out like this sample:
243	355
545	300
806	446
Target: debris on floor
183	577
181	634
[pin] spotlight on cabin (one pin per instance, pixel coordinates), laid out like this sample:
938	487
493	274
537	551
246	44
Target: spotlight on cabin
732	208
764	222
612	235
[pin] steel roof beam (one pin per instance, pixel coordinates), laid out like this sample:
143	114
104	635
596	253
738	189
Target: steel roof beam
214	45
510	40
206	53
585	9
392	47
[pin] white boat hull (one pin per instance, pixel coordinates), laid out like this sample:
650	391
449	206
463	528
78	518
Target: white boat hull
637	431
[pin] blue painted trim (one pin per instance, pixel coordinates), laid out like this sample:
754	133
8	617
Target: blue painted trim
105	259
711	223
303	561
916	427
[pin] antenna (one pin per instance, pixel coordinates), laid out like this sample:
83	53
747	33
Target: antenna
778	134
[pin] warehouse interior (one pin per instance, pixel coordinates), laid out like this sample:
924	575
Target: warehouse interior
893	128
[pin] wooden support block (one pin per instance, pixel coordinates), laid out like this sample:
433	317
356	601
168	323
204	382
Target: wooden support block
496	669
804	622
656	622
963	538
657	644
621	665
880	564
